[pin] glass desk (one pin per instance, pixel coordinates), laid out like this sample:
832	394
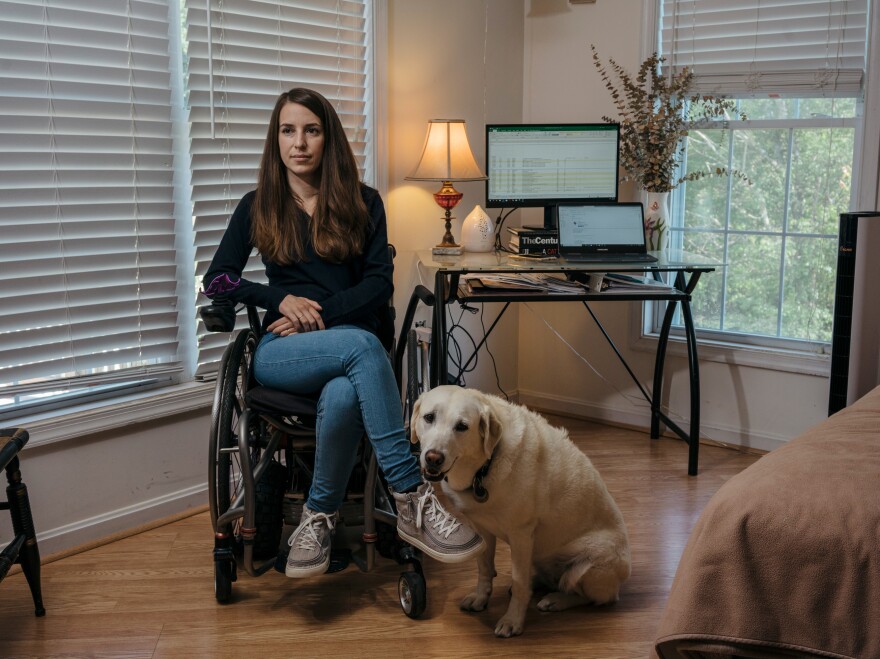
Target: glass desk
685	268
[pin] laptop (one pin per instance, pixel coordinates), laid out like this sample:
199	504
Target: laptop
602	233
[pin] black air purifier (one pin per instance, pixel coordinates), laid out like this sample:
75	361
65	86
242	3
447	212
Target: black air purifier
843	306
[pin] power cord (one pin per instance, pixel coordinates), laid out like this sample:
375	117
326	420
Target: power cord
489	352
499	224
457	356
453	348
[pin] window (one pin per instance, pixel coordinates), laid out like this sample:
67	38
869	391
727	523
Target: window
777	236
801	96
86	213
96	254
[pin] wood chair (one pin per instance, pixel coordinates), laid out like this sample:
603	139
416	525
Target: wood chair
23	548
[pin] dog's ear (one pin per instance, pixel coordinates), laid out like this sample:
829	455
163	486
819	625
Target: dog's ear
490	427
413	436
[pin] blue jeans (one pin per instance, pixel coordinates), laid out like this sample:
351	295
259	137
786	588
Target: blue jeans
351	369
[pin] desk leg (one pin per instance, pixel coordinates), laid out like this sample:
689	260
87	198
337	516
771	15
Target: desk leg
23	525
693	436
659	361
694	373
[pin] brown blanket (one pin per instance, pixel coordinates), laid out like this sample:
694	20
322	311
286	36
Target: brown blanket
785	559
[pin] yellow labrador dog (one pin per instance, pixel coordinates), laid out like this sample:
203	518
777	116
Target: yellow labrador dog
513	476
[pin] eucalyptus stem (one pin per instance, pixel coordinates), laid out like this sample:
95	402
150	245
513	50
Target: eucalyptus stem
656	113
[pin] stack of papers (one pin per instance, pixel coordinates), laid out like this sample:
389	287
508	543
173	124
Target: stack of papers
622	282
526	281
557	283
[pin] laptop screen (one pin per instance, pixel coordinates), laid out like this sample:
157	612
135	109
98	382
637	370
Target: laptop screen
601	228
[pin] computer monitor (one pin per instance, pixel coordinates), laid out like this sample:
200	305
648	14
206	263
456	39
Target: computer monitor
547	164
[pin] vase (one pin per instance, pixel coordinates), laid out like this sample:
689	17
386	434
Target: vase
657	221
478	232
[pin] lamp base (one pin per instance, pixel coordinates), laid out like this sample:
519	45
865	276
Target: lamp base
447	250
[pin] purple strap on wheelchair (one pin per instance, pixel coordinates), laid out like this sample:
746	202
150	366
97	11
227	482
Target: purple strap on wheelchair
221	284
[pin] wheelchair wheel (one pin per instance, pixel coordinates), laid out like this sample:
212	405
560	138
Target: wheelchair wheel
224	478
224	575
413	594
269	502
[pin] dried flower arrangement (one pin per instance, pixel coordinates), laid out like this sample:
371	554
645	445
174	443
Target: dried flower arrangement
653	125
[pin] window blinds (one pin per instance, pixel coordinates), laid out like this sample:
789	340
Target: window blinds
768	47
258	49
86	216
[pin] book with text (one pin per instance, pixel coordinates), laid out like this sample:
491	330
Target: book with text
533	240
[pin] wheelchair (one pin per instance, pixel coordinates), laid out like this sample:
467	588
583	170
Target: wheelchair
261	456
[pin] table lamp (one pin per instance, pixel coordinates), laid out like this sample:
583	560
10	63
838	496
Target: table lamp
446	157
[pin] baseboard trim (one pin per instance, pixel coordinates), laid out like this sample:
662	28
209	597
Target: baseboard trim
635	417
120	523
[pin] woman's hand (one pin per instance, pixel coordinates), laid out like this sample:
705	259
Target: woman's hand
298	314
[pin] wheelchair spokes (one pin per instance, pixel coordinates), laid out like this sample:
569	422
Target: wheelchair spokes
226	484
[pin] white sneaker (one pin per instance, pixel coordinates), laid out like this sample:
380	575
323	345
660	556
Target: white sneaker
424	523
310	545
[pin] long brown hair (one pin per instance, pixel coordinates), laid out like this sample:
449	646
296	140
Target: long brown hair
339	223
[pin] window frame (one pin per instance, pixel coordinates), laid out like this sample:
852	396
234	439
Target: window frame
756	350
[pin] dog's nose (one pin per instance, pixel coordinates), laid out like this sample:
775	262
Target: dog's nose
434	459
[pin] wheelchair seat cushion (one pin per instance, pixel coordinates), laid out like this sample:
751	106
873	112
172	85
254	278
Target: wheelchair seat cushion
281	403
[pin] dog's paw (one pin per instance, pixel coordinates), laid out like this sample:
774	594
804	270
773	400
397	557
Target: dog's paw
560	601
508	626
474	602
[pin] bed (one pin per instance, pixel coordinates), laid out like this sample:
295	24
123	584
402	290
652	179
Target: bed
784	561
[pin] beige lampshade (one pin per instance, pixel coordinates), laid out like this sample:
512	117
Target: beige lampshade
446	155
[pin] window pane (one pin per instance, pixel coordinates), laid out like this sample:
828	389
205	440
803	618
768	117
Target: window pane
705	203
707	299
758	109
763	156
821	178
827	107
810	278
753	284
762	109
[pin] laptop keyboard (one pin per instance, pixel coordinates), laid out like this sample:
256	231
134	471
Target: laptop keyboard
610	258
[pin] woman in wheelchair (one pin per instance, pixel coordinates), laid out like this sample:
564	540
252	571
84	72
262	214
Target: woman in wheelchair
322	237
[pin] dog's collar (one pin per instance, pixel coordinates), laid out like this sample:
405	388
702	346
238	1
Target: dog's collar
480	491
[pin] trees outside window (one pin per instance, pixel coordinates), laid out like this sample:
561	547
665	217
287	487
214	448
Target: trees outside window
778	236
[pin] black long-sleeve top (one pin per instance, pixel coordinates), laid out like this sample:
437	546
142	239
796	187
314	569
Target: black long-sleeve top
355	292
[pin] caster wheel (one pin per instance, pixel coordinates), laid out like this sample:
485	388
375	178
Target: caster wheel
224	575
413	594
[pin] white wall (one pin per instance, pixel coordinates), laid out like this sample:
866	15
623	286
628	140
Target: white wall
96	485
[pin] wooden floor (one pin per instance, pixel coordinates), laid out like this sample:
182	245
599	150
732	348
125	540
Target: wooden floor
151	595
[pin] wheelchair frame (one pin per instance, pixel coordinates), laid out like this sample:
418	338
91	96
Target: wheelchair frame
248	437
